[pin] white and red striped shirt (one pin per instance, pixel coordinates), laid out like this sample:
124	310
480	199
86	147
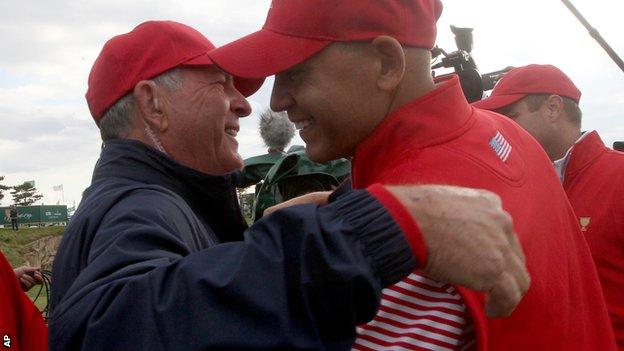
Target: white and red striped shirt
418	314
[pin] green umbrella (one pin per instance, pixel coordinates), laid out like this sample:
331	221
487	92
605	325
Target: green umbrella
294	175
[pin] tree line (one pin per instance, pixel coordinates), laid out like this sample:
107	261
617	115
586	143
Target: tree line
24	194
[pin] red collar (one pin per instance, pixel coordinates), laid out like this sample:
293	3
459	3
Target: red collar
438	116
583	153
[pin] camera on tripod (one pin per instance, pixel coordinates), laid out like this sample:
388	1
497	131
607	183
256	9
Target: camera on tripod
472	82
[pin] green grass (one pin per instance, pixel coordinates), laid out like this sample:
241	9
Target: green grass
12	245
13	242
42	300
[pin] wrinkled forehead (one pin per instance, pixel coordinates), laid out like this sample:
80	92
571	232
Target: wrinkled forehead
202	72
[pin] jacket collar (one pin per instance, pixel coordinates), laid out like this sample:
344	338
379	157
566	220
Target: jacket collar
438	116
211	197
583	153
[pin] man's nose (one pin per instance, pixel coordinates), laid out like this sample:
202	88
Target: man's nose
240	106
281	99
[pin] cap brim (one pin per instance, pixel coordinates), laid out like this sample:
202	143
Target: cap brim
497	101
246	86
265	53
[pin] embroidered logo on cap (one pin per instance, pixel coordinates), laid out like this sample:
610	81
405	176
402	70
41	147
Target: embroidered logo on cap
499	144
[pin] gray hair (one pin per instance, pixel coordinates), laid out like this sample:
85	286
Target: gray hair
116	123
275	129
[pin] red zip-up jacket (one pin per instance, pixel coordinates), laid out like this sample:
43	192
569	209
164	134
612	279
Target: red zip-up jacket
21	324
439	138
594	182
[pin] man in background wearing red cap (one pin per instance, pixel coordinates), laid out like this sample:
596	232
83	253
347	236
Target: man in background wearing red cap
157	256
544	101
356	81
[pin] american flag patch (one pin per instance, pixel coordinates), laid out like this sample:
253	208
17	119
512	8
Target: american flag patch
499	144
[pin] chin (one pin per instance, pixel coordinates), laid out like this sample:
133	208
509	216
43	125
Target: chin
325	152
320	157
225	167
236	165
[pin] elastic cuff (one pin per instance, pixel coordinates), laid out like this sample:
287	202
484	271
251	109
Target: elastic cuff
404	219
381	238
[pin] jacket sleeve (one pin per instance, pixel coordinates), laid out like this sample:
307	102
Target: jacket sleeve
303	278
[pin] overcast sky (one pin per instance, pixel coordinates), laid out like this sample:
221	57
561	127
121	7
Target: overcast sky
48	47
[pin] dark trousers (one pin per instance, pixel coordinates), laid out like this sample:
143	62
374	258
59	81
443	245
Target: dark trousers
14	223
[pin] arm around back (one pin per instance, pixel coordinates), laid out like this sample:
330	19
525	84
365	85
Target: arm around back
303	278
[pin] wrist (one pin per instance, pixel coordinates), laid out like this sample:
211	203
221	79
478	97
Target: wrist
405	221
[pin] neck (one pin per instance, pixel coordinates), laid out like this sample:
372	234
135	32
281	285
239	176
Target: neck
147	136
566	139
410	89
417	80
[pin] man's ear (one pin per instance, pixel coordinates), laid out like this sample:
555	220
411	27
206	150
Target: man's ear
554	107
146	94
392	59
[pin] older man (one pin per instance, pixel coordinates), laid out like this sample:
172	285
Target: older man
157	257
357	82
544	101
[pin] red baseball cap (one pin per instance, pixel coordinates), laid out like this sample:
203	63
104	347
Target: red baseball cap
297	29
531	79
150	49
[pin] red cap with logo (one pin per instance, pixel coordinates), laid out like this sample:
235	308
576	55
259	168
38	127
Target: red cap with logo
297	29
150	49
527	80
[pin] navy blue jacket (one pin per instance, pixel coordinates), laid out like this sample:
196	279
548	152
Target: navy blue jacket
157	258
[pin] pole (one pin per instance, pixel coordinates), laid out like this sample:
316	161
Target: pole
594	34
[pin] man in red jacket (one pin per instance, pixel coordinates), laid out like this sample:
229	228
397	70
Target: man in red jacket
357	83
21	324
544	101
